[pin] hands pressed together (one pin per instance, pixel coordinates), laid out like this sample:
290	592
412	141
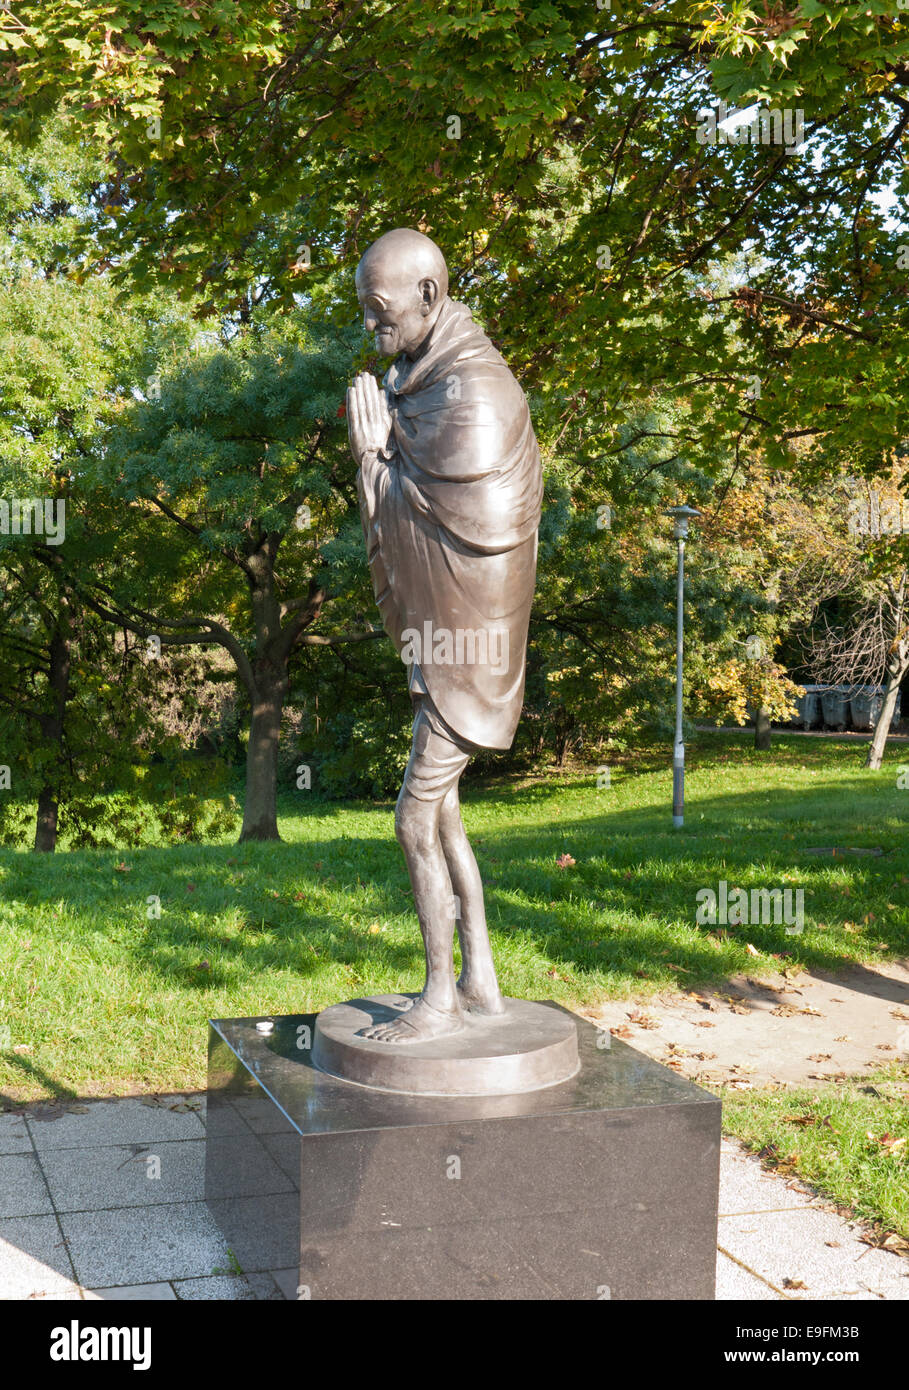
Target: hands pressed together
368	417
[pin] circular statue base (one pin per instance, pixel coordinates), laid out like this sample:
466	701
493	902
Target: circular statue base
527	1047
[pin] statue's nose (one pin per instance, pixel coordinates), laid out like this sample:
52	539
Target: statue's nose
370	322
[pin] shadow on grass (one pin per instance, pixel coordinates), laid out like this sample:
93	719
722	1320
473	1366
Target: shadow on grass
37	1075
625	910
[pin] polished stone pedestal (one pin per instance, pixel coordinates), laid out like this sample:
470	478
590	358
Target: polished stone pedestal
604	1186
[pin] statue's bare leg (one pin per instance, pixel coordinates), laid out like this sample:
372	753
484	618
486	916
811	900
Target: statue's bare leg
477	985
438	1009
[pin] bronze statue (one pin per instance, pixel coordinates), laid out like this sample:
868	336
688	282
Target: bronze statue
450	489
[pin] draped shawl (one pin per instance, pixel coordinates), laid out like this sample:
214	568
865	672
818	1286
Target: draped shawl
450	512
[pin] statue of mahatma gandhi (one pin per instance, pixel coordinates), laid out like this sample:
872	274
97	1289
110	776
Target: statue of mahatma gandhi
450	489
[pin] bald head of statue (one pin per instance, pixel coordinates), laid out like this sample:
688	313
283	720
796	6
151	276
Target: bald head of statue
402	283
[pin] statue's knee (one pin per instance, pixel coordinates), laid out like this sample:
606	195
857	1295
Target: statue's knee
414	830
450	824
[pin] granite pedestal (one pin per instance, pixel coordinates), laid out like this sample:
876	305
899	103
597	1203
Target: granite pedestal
604	1186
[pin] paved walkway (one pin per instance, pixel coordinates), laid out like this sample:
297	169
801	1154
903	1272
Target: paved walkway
798	1028
105	1201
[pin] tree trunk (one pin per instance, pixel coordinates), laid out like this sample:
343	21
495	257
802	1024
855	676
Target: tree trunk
762	729
46	822
882	727
260	813
51	724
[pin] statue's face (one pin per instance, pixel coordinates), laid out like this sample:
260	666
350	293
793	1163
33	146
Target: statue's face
396	307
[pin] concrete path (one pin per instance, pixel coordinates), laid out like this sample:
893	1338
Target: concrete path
104	1200
798	1028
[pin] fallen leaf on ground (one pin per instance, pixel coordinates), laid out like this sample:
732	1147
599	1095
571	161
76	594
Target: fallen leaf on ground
887	1141
48	1112
885	1240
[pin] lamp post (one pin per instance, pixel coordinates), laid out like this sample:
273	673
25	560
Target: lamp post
681	516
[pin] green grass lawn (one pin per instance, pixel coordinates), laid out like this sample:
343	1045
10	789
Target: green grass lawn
99	998
850	1143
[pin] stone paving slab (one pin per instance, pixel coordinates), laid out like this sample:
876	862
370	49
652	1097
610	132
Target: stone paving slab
138	1293
74	1294
734	1282
127	1121
125	1175
815	1249
34	1260
745	1186
287	1281
144	1245
252	1288
14	1137
23	1191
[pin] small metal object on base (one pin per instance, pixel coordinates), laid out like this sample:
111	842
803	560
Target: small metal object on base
528	1047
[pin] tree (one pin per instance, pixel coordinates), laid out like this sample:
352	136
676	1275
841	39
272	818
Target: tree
77	708
869	642
62	350
236	478
541	145
784	542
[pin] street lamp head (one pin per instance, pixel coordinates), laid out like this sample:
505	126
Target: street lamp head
681	516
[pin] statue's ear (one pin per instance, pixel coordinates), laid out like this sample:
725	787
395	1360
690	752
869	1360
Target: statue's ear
429	293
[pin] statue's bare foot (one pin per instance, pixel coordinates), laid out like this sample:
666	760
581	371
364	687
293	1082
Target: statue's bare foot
479	998
419	1023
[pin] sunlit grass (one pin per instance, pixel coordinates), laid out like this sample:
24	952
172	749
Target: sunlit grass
850	1142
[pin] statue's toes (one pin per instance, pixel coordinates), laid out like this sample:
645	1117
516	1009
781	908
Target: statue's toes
382	1032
